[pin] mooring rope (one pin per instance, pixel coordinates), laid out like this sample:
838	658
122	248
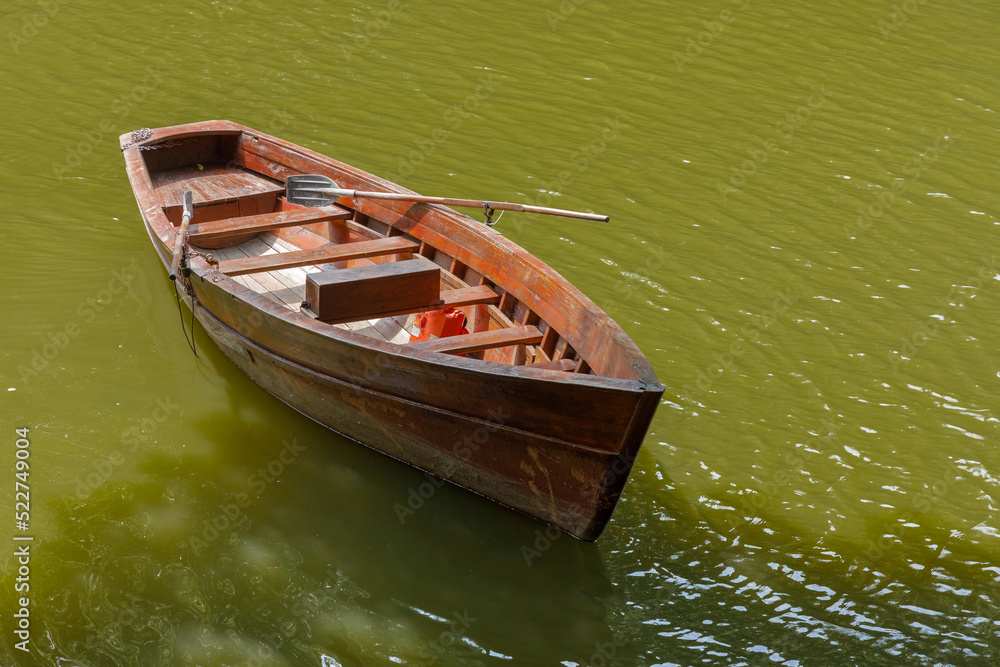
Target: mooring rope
180	311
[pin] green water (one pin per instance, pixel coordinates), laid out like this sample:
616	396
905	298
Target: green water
803	201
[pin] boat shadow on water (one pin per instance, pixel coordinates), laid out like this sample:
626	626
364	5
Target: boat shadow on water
271	539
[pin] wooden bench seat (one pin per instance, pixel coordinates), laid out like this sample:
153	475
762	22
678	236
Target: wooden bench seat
216	229
329	253
482	340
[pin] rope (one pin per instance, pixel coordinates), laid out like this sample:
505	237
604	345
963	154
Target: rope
180	311
488	211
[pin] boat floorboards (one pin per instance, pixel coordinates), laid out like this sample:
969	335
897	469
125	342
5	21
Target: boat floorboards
211	183
287	287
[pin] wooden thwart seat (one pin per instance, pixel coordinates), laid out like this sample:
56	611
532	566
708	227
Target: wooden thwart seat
481	340
329	253
216	229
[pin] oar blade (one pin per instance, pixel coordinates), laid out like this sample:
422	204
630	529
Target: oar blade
306	190
188	207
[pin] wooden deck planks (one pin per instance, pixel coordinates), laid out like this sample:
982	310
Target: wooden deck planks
211	183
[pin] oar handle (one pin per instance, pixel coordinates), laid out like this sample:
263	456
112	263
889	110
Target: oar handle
182	235
470	203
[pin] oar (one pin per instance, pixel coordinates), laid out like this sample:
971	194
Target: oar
317	190
182	234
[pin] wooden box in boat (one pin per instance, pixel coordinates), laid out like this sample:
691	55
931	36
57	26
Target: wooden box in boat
545	409
374	291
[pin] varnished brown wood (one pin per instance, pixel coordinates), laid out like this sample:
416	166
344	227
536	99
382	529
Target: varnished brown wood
455	298
482	340
367	292
507	305
321	255
557	365
469	296
361	231
182	235
560	445
610	353
212	183
549	342
206	231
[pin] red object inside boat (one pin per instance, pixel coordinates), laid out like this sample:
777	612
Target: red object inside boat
439	324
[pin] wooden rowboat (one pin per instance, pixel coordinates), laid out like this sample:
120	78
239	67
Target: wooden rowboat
541	405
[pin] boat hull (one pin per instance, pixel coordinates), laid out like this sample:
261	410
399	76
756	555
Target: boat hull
482	453
555	445
490	452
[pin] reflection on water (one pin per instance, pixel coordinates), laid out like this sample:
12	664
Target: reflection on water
803	212
253	547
